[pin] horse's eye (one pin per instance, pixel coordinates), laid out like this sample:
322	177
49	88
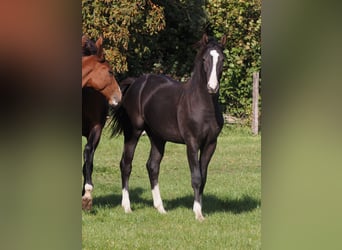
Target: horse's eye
111	72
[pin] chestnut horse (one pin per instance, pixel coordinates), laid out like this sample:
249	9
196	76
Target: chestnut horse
99	90
171	111
96	72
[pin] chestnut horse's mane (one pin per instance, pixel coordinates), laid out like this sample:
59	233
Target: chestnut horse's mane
88	47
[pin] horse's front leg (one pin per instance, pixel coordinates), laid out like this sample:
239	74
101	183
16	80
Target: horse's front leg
196	180
88	154
206	153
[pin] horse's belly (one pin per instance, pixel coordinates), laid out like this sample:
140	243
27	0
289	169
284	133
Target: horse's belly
165	126
160	111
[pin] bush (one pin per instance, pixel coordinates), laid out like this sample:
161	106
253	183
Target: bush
122	23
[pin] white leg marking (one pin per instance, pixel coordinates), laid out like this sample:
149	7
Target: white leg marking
87	200
157	201
213	82
198	211
125	203
88	187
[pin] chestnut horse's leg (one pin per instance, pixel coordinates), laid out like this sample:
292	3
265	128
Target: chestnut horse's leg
197	179
153	166
130	143
89	150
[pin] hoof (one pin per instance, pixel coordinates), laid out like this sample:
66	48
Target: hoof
200	218
87	202
127	210
161	210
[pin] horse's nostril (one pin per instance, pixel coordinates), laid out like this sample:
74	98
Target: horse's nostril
114	103
212	90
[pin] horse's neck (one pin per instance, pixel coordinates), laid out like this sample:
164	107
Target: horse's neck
197	92
198	83
86	69
85	77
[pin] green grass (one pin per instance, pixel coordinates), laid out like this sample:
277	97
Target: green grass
231	201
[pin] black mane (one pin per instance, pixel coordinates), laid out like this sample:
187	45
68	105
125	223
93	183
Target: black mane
89	47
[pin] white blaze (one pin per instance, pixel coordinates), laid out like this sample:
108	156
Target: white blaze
213	82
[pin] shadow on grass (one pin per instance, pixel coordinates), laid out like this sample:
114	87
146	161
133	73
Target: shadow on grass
211	203
113	200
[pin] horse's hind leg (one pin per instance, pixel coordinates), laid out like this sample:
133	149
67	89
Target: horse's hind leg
130	142
153	166
89	150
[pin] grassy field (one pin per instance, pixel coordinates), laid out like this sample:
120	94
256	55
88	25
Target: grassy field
231	201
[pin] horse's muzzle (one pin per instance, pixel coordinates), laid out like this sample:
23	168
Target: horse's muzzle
115	100
212	90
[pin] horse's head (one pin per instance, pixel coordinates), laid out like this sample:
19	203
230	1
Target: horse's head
212	57
97	73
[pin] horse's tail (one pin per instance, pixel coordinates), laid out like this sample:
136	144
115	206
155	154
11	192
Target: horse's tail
119	117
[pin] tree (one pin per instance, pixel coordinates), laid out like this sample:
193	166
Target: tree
121	22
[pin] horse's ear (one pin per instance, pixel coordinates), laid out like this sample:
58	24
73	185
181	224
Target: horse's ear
84	40
99	42
99	47
205	38
223	41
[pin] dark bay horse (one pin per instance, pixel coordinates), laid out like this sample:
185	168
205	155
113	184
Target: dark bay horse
99	90
171	111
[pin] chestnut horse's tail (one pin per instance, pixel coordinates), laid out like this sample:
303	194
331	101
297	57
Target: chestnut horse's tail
118	115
